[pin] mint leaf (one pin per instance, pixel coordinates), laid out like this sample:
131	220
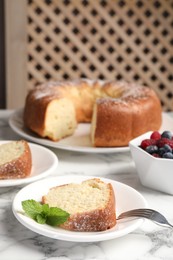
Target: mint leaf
55	220
45	209
42	213
58	212
41	219
57	216
32	208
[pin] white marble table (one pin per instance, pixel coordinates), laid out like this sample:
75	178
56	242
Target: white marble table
148	242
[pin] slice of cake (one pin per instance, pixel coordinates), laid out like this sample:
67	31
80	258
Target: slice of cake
15	160
91	204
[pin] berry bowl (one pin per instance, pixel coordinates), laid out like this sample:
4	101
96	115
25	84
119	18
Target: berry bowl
152	153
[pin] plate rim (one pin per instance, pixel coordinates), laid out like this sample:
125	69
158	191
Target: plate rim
82	236
50	143
30	179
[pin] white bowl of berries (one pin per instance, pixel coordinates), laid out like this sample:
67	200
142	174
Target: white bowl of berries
152	153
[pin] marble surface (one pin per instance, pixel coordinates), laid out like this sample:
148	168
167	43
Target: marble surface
150	241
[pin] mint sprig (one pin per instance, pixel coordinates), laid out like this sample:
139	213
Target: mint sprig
42	213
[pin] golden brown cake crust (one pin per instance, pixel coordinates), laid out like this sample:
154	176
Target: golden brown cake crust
126	119
124	110
20	167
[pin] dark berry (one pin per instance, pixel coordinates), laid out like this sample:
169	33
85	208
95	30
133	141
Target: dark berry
163	141
167	134
155	135
167	148
161	151
147	142
152	149
167	155
156	155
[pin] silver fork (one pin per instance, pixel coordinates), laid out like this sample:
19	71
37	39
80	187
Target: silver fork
150	214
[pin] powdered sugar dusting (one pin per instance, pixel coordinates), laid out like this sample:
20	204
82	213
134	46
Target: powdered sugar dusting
129	90
95	221
15	166
45	90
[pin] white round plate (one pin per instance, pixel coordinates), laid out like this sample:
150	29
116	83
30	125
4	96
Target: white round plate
78	142
126	198
44	162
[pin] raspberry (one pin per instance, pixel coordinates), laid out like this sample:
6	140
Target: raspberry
156	155
147	142
155	135
163	141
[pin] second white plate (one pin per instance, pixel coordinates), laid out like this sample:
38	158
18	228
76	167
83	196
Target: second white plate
44	162
126	198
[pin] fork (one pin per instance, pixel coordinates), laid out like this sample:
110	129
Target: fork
150	214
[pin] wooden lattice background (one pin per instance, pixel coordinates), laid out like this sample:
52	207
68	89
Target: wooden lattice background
130	40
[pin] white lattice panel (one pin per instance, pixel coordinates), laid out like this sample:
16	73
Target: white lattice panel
130	40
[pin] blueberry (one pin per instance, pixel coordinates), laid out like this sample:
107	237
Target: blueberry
152	149
161	151
167	148
167	155
167	134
